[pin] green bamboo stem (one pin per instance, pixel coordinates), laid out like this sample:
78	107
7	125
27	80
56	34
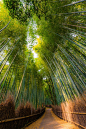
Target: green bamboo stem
4	45
8	68
5	26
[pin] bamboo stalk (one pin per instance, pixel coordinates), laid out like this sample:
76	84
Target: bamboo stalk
4	27
75	26
72	3
8	68
4	45
69	13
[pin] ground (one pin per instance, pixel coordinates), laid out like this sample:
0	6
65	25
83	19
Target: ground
50	121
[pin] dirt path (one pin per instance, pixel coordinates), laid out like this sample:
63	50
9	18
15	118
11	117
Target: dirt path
50	121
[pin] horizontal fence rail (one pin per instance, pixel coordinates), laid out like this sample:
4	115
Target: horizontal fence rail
19	118
20	122
81	113
76	113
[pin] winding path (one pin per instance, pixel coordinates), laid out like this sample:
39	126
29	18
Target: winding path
50	121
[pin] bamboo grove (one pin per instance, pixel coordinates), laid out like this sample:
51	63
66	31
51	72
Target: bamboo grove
58	74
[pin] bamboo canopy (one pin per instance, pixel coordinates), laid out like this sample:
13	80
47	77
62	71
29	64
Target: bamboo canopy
56	32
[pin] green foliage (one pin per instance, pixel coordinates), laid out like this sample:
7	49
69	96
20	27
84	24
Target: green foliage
59	71
16	9
61	46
